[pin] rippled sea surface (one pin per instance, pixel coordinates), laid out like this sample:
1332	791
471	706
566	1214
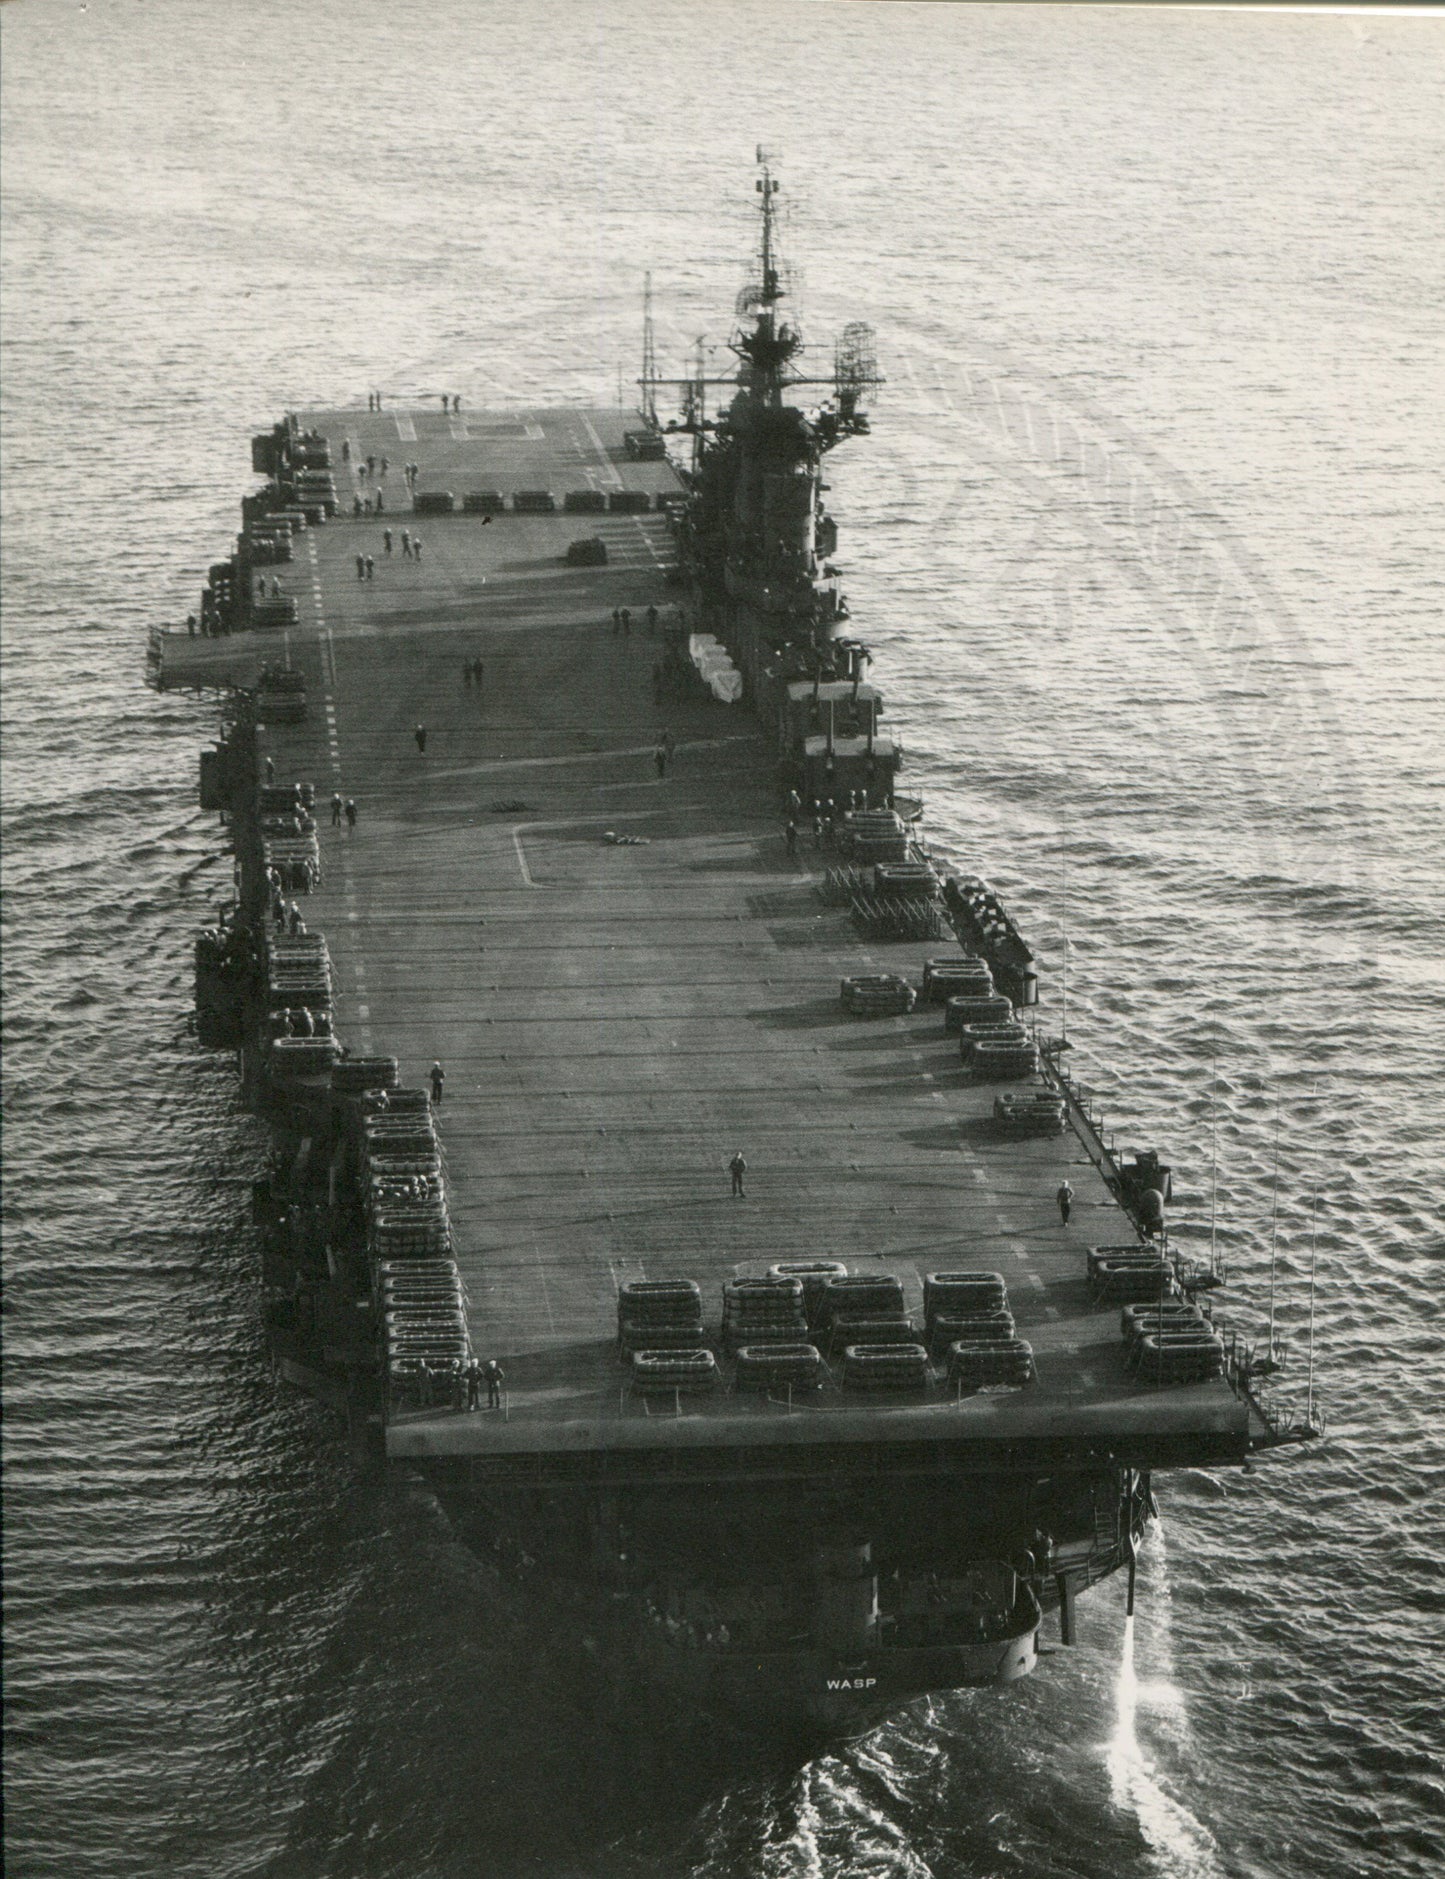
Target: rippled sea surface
1146	541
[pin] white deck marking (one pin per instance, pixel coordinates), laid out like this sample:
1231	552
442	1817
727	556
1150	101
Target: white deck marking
522	857
648	540
405	429
609	468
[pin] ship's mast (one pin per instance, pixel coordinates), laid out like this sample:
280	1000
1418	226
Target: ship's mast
649	355
767	344
767	189
766	347
697	403
770	292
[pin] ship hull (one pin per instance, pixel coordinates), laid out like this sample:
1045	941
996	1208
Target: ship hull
783	1638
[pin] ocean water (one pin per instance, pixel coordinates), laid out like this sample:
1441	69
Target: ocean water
1146	542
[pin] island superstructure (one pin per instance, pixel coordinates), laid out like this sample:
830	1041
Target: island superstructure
803	1450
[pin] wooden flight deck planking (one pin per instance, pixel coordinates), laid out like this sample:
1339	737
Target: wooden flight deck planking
615	1021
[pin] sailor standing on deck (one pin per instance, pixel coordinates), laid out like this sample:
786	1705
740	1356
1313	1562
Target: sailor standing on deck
438	1078
495	1376
1065	1198
737	1168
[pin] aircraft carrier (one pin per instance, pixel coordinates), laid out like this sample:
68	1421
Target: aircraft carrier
576	864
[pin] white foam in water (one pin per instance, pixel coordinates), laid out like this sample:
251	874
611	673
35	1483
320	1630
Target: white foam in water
1180	1842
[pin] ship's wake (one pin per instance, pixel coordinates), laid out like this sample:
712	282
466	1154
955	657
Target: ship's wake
1181	1845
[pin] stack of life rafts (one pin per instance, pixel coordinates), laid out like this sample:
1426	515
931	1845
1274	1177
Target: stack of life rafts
403	1191
763	1311
865	1322
868	836
876	995
280	695
772	1325
1040	1112
992	1044
288	834
1170	1341
660	1336
269	539
966	1318
777	1328
715	667
418	1292
421	1307
1133	1274
305	476
298	978
765	1331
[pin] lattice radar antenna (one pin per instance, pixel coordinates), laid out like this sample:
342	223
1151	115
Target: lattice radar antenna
855	365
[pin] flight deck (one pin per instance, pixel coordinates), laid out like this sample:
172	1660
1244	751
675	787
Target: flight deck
627	979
